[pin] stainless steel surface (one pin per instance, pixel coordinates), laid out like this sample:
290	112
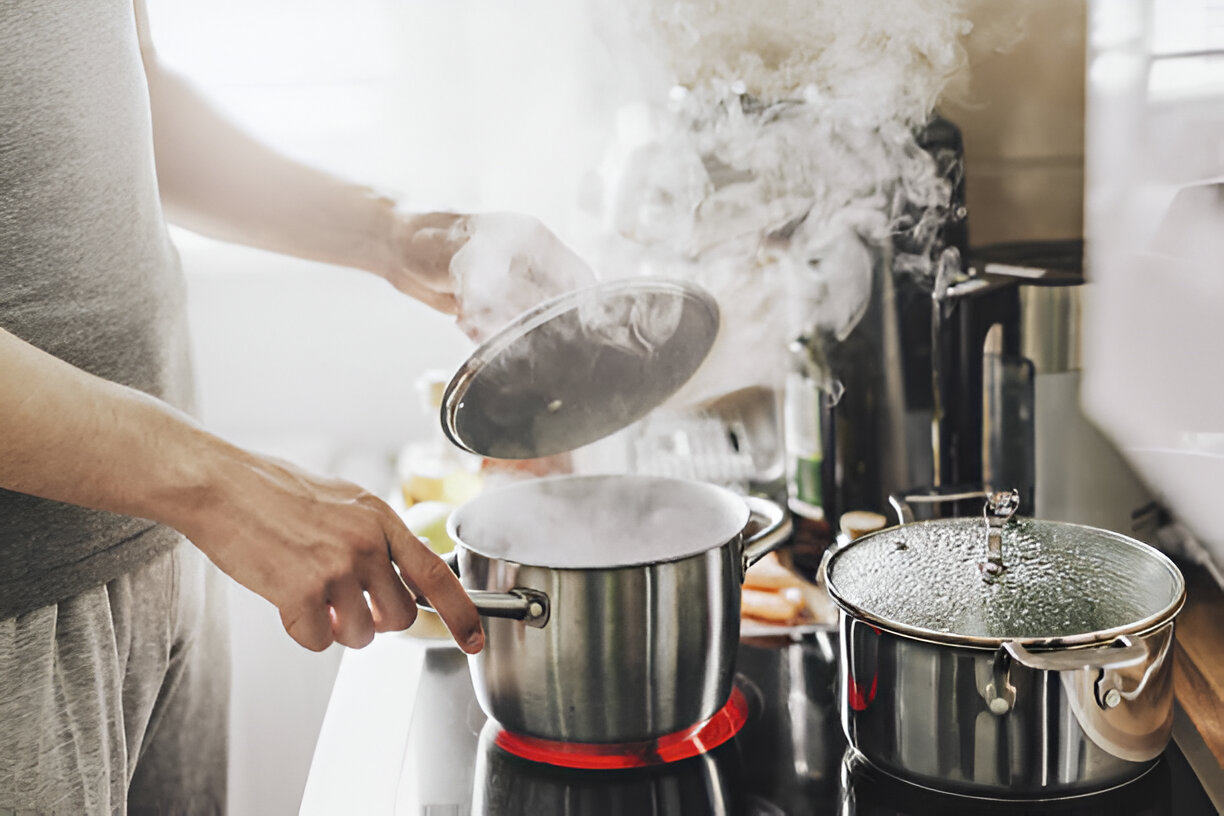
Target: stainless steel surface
999	508
941	716
1050	329
629	652
1054	679
1008	429
769	527
903	503
526	605
579	367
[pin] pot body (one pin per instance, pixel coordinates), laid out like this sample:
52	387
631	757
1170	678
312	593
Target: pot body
628	653
973	721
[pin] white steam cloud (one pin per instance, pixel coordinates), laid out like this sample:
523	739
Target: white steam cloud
765	149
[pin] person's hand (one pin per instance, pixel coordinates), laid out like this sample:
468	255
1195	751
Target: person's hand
485	268
321	550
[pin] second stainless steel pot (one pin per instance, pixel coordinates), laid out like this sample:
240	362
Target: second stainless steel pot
627	590
1021	659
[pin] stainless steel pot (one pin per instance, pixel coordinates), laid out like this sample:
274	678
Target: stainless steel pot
1021	659
614	601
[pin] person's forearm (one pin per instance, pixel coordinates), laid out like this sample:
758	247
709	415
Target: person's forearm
69	436
321	550
218	180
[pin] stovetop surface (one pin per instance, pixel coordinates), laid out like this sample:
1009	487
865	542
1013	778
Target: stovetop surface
791	758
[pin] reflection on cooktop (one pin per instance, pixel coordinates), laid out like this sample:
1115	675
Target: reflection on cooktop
790	758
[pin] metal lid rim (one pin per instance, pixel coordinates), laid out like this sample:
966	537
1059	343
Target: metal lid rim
1137	628
537	316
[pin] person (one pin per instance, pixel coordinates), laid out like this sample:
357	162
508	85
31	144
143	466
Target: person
113	661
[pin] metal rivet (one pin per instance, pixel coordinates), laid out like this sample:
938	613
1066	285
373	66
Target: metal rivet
999	706
1113	697
535	609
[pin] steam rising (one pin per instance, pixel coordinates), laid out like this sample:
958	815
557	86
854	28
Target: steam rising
508	264
767	149
585	522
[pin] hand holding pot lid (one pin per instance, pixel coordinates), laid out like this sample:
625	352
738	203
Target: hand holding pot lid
506	264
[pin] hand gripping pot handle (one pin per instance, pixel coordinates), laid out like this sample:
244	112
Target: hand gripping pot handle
769	526
527	605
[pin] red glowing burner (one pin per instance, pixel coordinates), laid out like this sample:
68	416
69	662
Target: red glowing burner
700	738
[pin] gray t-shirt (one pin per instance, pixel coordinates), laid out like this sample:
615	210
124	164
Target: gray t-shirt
87	270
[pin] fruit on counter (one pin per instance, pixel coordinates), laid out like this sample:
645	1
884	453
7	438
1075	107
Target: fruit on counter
449	484
433	469
427	520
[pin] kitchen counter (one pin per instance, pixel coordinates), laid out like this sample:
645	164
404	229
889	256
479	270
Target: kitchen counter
403	734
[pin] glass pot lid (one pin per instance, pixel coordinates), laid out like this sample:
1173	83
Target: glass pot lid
579	368
1059	584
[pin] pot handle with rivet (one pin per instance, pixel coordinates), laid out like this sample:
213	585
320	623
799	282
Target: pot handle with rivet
531	606
770	525
1120	654
1000	694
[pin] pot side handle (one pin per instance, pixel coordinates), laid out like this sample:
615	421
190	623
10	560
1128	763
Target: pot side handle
771	527
1121	654
903	503
527	605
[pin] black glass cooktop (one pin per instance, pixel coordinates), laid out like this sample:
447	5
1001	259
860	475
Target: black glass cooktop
790	758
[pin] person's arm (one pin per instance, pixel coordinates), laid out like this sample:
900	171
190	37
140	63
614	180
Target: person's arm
311	546
218	180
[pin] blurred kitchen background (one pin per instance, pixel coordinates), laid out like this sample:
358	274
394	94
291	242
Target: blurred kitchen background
511	106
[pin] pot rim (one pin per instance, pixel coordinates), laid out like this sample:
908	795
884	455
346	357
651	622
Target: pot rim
1138	628
733	502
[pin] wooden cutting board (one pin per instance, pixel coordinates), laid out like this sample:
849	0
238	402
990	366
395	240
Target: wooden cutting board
1198	657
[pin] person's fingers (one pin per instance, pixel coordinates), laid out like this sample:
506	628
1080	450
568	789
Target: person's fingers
351	622
393	606
429	575
309	624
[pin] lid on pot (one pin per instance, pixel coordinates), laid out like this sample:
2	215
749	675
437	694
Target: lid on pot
598	521
1059	582
579	367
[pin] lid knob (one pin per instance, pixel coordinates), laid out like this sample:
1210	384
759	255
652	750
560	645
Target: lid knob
1000	507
